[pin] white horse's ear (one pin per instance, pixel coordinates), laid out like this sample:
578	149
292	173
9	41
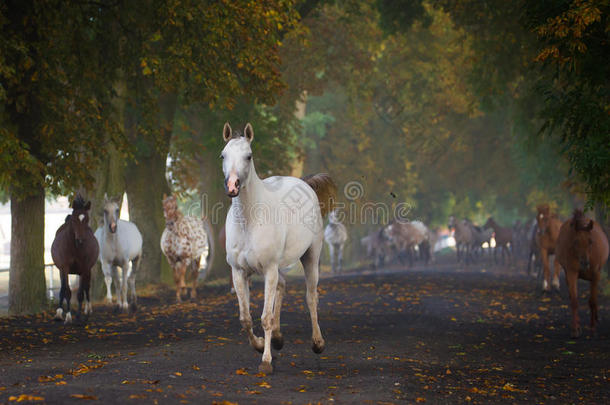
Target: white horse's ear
227	133
249	132
105	197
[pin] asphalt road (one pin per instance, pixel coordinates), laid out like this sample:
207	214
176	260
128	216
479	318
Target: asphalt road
439	335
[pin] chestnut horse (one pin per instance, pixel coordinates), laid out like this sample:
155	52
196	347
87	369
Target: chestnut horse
546	238
75	251
503	237
582	251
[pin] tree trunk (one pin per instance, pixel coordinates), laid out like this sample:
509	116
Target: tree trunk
215	204
27	285
146	183
109	180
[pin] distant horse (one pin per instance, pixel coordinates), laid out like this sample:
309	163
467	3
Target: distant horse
185	242
533	256
464	238
503	237
582	251
120	246
377	247
520	238
335	236
479	236
290	228
74	251
548	232
405	236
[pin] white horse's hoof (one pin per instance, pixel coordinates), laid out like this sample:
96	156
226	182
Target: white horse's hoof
258	344
265	368
318	347
59	315
108	301
68	319
277	341
556	283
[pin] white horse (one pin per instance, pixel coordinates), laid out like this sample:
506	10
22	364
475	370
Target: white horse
120	246
271	224
335	236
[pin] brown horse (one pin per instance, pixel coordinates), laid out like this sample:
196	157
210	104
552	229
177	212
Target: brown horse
75	251
546	238
405	236
582	251
503	237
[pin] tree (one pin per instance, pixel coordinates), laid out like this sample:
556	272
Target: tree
175	53
51	123
574	44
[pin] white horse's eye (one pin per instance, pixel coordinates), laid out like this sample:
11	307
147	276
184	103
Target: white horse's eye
222	156
249	157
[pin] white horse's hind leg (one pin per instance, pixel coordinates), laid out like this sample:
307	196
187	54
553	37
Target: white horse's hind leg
132	288
277	340
242	290
310	262
126	274
340	259
271	287
331	251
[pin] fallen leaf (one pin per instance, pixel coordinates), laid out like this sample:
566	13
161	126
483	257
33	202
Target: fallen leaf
82	396
25	397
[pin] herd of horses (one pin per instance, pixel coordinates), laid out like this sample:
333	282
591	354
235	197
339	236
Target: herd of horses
293	231
118	244
578	244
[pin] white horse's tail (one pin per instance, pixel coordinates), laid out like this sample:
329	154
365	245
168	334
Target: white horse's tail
325	189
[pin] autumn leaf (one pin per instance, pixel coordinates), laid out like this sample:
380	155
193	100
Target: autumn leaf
25	397
263	384
512	388
83	396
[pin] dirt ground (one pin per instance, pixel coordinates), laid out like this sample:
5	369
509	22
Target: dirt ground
439	335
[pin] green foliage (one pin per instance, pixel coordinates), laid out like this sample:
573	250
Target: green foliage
573	51
54	106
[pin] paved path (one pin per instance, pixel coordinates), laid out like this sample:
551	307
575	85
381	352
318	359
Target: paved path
441	335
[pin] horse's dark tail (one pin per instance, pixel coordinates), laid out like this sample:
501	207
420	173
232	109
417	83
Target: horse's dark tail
325	189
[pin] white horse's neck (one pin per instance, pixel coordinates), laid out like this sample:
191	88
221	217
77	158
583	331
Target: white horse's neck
252	192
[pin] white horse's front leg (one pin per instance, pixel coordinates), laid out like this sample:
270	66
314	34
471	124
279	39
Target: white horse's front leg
271	286
242	290
107	270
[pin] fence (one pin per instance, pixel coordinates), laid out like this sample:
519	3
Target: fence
49	279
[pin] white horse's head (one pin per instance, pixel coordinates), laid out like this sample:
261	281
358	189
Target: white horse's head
237	158
111	213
